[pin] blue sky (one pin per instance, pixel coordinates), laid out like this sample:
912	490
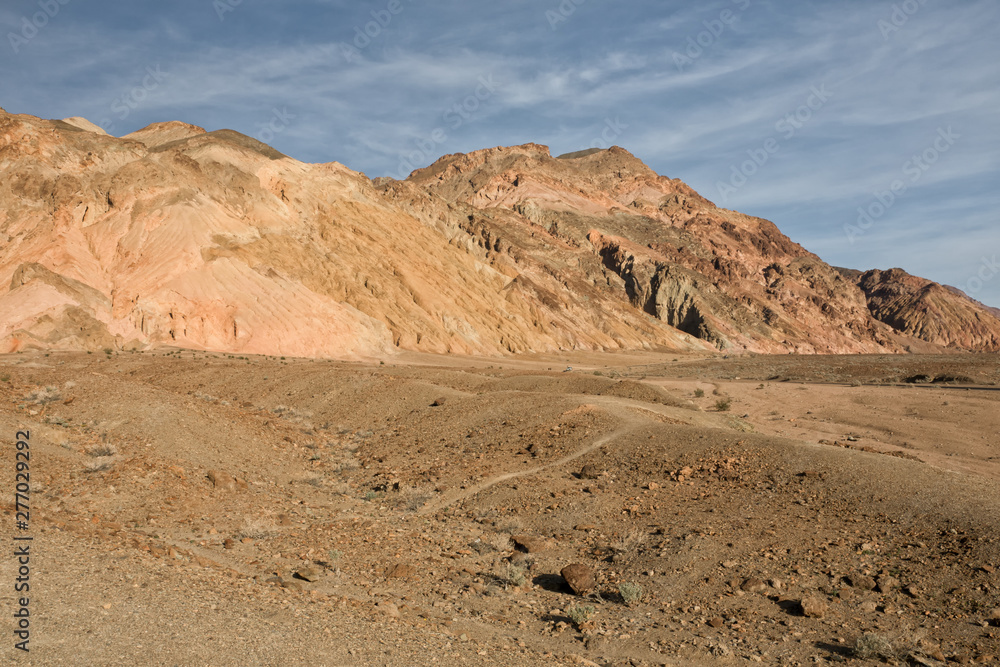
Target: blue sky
803	112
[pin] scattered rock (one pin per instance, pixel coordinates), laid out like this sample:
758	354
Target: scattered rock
580	578
813	606
438	402
533	544
225	481
309	574
585	527
887	584
222	480
389	609
228	543
994	617
400	571
861	581
716	622
589	471
754	585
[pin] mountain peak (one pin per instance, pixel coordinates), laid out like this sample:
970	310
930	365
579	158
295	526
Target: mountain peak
157	134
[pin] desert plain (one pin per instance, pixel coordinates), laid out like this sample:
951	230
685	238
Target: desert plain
192	507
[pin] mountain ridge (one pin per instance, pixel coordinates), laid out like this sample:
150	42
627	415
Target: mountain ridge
173	235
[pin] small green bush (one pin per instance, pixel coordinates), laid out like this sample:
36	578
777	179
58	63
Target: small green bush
631	592
580	614
516	576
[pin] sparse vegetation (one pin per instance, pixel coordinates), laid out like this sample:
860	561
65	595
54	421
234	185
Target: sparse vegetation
496	541
511	525
255	528
873	646
629	541
580	614
515	576
631	592
98	451
44	396
699	393
723	404
100	465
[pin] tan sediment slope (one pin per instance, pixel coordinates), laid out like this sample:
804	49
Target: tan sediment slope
84	124
213	240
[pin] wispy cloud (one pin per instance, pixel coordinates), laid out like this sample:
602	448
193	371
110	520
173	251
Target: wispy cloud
561	86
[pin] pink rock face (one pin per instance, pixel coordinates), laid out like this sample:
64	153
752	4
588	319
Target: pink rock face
213	240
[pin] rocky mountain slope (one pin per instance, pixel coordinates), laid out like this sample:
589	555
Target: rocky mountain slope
212	240
929	311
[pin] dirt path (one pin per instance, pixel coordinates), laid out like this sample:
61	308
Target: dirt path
451	499
631	415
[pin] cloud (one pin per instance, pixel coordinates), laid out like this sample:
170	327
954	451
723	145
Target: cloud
562	85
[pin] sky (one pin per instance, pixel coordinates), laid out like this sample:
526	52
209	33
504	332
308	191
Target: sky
869	132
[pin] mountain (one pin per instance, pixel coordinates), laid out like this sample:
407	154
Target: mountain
173	235
929	311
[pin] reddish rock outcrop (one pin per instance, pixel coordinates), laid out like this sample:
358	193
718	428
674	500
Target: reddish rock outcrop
928	311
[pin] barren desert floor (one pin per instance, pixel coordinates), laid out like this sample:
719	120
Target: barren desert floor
192	508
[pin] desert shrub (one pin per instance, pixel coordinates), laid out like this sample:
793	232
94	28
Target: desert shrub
515	576
872	645
723	404
99	466
496	541
255	528
631	592
698	393
44	396
630	541
98	451
511	525
580	614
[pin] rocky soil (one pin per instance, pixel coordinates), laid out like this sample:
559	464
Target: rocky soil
560	509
